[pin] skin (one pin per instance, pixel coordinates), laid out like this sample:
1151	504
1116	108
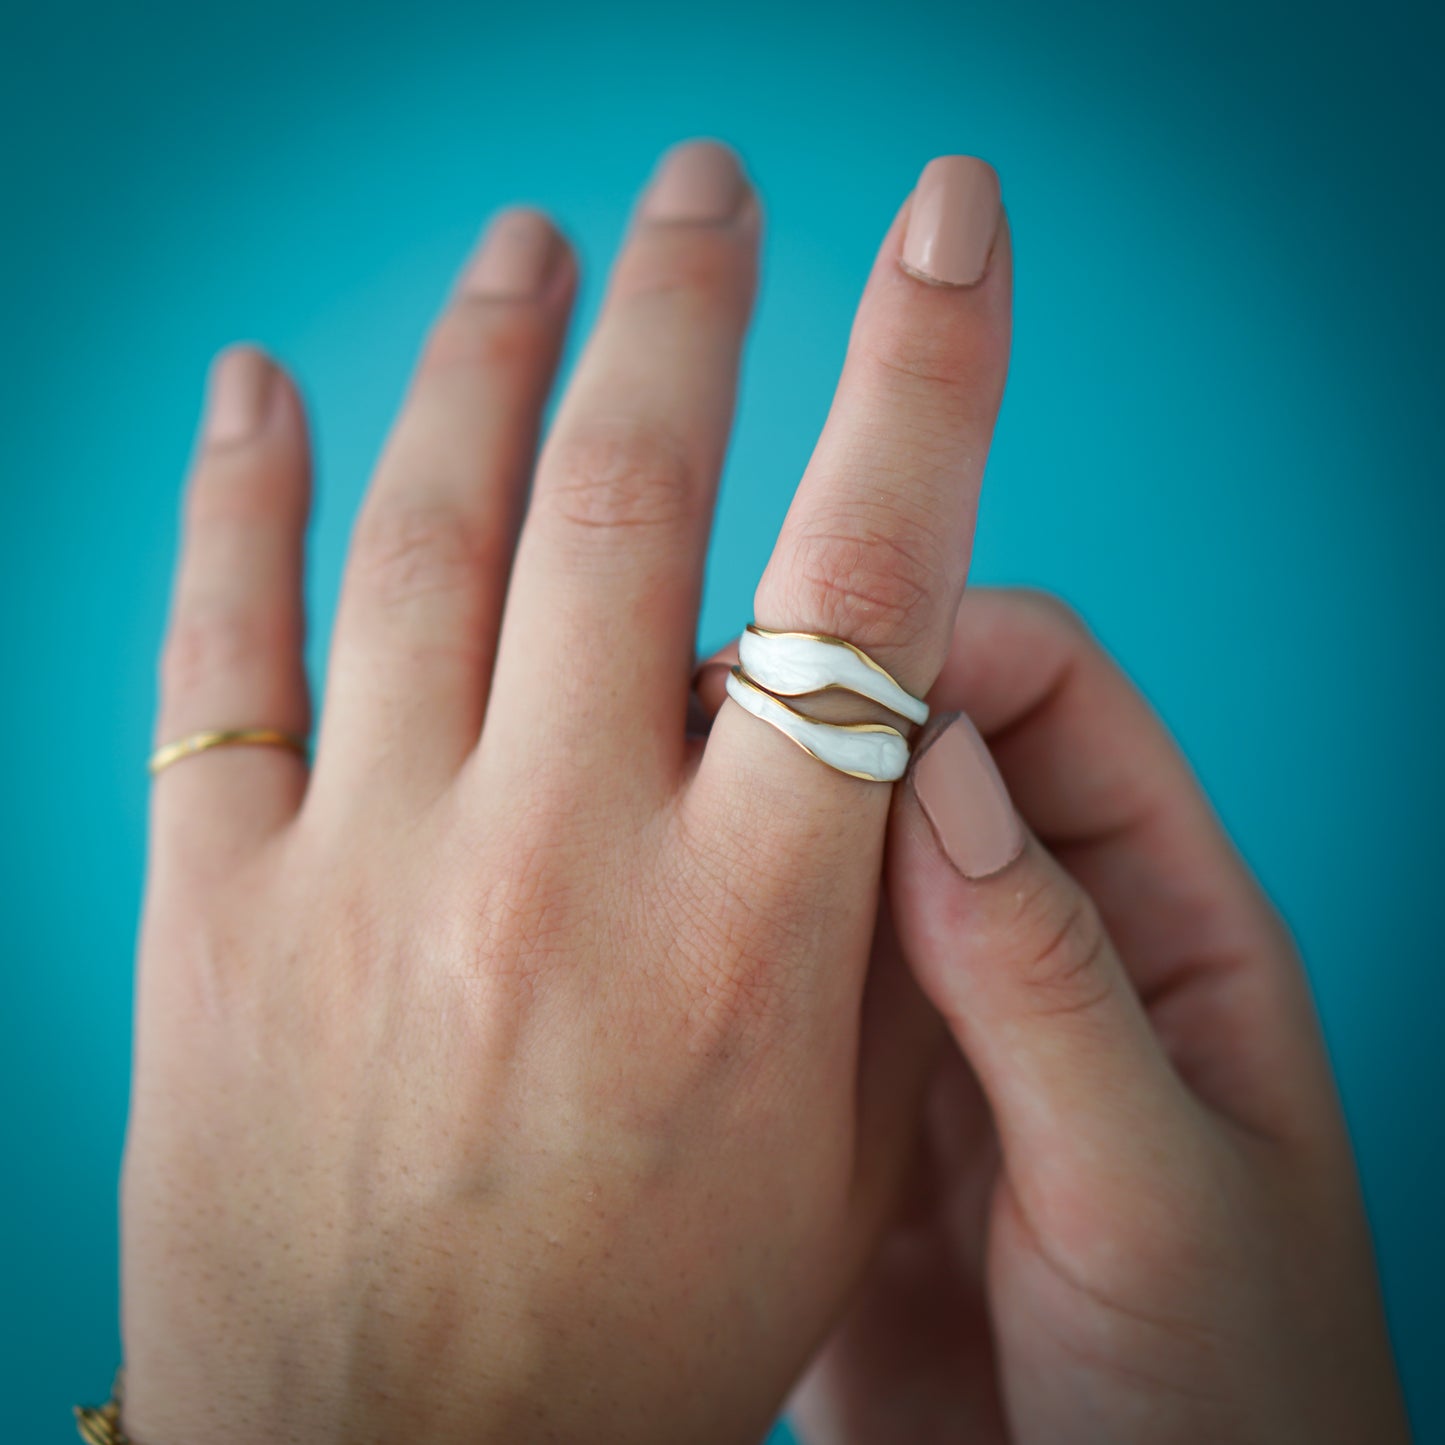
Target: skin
530	1068
1134	1216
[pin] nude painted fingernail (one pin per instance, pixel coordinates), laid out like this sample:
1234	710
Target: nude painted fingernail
699	182
952	221
964	798
237	396
516	258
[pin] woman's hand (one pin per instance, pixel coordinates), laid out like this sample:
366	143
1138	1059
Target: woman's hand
511	1074
1135	1218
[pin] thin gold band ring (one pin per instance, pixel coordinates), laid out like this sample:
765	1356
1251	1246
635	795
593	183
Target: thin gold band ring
201	742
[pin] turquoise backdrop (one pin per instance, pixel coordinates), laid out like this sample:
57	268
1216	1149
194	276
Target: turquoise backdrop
1222	438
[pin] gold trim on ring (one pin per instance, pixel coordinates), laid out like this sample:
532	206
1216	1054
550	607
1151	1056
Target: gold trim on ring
888	693
799	728
834	641
201	742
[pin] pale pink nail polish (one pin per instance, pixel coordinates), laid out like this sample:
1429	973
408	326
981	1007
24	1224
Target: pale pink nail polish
516	258
963	796
952	221
699	182
238	394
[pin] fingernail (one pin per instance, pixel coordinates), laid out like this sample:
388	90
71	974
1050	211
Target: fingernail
964	798
516	257
700	182
952	221
239	390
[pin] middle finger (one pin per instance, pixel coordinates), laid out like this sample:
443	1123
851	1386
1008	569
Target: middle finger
596	647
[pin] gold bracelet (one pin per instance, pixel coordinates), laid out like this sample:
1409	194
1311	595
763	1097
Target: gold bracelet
102	1426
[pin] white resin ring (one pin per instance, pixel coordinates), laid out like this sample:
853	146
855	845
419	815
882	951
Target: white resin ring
874	752
791	664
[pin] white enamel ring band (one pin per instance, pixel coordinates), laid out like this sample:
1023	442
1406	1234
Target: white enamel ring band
790	664
874	752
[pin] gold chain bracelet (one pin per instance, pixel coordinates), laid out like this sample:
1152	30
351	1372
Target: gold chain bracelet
102	1426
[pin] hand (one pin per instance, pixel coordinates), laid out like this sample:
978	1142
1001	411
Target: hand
1135	1217
511	1075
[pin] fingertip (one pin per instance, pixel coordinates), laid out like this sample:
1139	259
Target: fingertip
963	796
253	455
954	218
953	830
698	182
239	387
522	256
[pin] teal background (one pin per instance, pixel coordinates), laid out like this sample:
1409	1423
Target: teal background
1222	438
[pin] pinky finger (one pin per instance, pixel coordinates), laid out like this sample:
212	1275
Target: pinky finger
233	653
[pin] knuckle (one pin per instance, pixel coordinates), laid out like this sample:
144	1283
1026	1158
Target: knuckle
870	580
476	334
742	983
626	477
938	362
404	551
740	994
241	492
1060	950
699	267
742	950
207	643
1056	614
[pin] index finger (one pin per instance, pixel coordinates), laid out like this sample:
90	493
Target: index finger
1097	776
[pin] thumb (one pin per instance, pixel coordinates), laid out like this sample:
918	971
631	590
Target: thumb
1012	952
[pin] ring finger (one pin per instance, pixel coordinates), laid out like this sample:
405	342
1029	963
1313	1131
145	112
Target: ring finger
421	604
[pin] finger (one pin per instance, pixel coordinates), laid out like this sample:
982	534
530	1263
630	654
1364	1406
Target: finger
876	544
233	651
900	1043
913	1359
899	1035
709	689
1101	782
1013	954
421	604
596	650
